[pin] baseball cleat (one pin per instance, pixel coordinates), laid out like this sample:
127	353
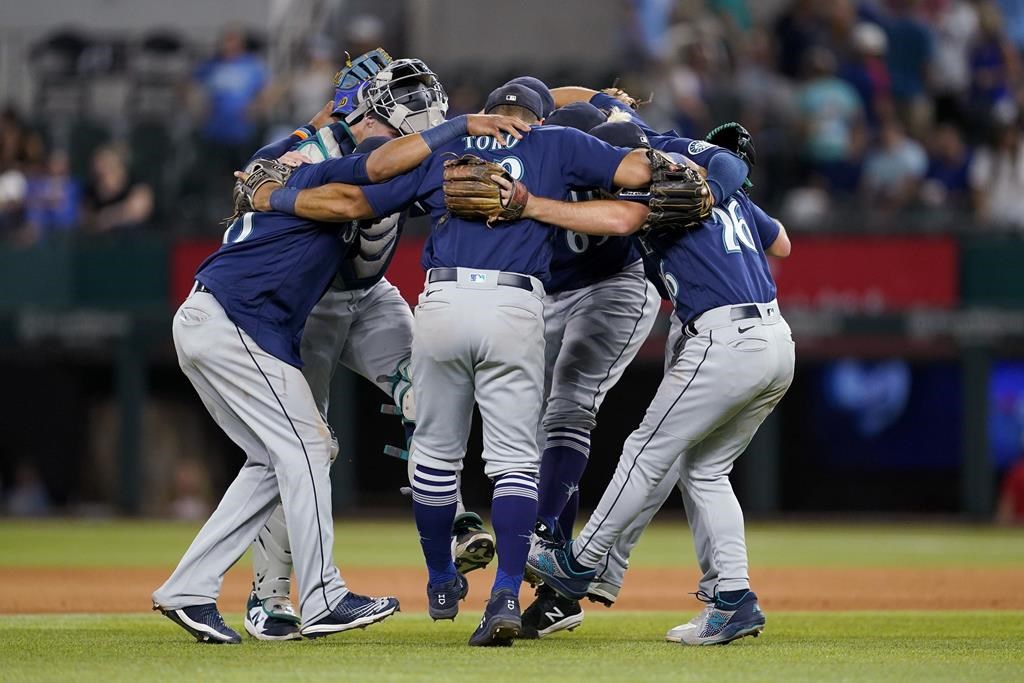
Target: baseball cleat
540	540
472	545
352	611
604	593
556	567
502	622
443	599
204	622
723	622
675	635
271	619
551	613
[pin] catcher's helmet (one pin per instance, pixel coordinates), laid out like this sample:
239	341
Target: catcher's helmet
353	75
405	94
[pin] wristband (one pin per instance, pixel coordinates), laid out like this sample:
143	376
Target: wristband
446	132
283	199
304	132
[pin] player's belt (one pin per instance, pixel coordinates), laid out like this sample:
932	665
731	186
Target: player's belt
735	313
504	279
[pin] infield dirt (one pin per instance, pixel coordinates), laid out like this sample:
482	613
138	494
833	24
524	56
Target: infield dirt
50	590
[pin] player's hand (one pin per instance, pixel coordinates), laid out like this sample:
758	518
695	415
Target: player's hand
294	159
323	117
261	197
496	126
508	193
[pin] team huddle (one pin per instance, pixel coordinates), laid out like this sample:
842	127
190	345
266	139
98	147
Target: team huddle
560	221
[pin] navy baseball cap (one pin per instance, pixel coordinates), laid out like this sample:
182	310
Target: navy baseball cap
621	134
538	86
579	115
517	96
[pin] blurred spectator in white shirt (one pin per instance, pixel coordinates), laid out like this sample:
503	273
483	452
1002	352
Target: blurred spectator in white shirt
997	178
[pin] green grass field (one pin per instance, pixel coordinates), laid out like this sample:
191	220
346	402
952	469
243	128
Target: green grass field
611	646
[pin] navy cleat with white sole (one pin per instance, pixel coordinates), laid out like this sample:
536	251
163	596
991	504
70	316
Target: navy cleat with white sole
502	621
554	565
203	622
724	622
272	618
443	599
352	611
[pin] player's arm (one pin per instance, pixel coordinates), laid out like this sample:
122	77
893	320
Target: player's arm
594	217
781	247
280	147
602	100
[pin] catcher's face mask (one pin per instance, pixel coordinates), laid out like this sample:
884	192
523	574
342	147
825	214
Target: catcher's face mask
406	95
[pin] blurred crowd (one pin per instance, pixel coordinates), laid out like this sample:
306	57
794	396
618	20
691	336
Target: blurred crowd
883	115
908	111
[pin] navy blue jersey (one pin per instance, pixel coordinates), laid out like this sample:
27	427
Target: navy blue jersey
580	260
719	263
274	267
550	160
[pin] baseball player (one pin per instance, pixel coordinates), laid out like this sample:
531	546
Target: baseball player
237	338
479	338
362	321
550	612
598	310
733	369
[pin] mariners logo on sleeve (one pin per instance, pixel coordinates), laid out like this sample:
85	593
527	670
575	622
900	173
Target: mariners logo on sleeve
698	146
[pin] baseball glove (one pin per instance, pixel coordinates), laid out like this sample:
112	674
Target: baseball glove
737	139
623	96
261	172
470	192
680	196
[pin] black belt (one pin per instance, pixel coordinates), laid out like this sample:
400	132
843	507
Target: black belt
505	279
200	287
737	313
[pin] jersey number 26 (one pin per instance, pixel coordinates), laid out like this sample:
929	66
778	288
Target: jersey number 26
735	231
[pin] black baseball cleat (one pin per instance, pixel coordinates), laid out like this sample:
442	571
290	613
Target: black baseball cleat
472	544
443	599
551	613
502	622
352	611
204	622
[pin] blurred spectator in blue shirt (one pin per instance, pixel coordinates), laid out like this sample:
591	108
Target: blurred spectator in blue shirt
1013	20
911	48
866	71
831	118
796	32
232	82
994	62
893	169
947	182
51	199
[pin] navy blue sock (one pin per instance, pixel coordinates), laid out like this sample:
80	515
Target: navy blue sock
513	511
732	597
434	495
567	519
562	465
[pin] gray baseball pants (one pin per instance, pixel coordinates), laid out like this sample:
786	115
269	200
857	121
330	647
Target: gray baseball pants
369	331
729	376
266	407
591	335
478	342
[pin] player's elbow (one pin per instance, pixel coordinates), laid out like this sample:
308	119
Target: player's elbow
781	247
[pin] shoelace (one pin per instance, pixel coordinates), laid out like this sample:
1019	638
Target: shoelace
704	597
